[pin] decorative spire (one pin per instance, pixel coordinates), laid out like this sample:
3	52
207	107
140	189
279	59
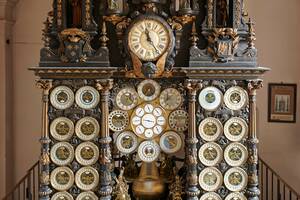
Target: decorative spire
194	35
251	34
45	37
104	39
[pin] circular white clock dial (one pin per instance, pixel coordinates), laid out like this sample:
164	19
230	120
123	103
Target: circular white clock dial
148	151
127	142
235	179
210	196
210	154
62	153
210	179
148	90
235	196
87	178
62	196
87	153
236	154
87	97
210	129
235	129
148	121
127	99
62	178
148	39
118	120
62	129
236	98
170	99
89	195
179	120
170	142
62	97
210	98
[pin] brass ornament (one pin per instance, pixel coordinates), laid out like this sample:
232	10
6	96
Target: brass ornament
120	190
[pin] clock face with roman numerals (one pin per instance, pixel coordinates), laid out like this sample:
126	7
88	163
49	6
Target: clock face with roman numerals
149	39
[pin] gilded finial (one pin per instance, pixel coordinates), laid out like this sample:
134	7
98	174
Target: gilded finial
104	39
194	36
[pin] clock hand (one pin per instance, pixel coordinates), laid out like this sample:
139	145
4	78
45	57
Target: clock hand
150	40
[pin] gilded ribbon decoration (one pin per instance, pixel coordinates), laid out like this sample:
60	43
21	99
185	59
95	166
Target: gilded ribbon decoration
253	191
105	191
192	190
45	189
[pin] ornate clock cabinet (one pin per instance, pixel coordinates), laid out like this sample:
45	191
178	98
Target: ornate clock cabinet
149	99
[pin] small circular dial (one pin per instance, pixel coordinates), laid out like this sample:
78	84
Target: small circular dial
170	142
210	129
236	196
62	178
210	154
179	120
89	195
210	98
87	153
62	153
148	39
87	97
235	154
148	151
235	129
210	179
127	98
62	196
170	99
235	179
210	196
235	98
127	142
87	178
118	120
62	129
148	121
87	128
62	97
148	90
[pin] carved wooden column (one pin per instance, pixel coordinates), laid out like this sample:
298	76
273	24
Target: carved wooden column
192	189
105	191
253	191
45	189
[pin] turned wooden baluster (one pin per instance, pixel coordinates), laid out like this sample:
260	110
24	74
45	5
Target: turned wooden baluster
45	190
192	189
105	191
253	191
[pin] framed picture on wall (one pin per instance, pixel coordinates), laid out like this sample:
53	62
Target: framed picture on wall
282	102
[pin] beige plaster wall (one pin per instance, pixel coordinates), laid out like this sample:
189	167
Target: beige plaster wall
278	42
277	31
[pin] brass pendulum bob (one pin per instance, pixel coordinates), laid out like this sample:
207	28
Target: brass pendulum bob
148	185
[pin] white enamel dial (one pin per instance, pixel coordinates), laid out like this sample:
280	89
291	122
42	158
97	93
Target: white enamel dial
148	39
170	99
148	121
118	120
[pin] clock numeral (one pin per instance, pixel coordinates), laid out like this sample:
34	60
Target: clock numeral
161	46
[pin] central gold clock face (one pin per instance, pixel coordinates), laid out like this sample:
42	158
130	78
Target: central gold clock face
148	39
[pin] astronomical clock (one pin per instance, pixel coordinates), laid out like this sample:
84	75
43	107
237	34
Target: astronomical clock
149	99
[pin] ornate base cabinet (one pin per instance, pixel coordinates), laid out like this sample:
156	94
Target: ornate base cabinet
149	99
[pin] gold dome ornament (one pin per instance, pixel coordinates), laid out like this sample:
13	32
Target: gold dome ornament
148	185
